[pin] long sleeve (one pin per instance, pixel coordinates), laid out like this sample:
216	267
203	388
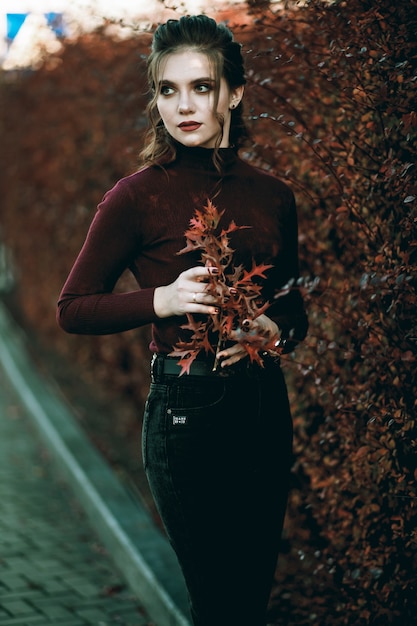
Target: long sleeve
288	310
140	226
87	304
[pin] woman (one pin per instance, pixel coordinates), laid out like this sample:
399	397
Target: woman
216	444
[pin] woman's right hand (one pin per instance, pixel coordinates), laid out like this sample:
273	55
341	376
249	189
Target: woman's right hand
187	294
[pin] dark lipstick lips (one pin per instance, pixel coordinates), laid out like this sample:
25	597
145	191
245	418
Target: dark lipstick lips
189	125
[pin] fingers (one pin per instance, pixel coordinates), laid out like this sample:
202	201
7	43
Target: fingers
201	297
193	285
199	273
186	294
202	302
248	330
231	355
262	325
261	331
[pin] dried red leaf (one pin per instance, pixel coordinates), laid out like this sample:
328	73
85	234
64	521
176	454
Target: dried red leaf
234	307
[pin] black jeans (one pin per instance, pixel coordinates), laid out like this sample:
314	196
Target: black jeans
217	453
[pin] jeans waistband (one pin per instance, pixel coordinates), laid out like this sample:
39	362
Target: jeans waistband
164	366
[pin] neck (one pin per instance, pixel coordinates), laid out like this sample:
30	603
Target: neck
210	158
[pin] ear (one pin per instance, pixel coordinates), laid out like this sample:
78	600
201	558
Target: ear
236	95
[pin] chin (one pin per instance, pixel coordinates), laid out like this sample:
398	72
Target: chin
194	143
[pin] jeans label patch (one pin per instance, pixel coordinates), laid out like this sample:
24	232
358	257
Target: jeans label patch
179	420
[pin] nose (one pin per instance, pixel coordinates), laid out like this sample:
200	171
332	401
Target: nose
185	105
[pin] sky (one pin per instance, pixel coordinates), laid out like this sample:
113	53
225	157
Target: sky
33	31
109	8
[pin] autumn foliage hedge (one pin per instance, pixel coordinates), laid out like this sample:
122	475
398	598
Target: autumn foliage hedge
331	105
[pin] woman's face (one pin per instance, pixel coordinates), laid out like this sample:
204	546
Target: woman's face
186	96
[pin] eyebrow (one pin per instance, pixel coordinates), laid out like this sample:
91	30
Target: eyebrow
198	81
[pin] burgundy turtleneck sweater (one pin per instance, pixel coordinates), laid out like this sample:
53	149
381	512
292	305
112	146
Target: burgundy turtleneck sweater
140	225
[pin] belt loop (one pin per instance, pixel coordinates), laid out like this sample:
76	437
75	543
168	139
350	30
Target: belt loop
152	368
155	368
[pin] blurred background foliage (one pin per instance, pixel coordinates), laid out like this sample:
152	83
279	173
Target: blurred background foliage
331	107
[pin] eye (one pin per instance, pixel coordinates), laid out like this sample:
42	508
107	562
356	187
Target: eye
203	88
166	90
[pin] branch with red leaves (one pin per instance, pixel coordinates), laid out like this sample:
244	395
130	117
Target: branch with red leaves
236	289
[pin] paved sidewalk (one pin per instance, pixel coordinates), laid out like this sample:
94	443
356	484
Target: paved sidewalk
60	503
53	568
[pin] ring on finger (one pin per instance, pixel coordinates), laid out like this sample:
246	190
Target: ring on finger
194	297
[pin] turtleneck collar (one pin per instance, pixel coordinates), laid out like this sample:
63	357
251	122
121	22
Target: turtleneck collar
202	158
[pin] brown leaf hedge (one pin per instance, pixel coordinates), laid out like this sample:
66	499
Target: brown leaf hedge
331	106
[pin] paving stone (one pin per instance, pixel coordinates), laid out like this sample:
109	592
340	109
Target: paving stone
53	569
10	580
16	607
94	615
23	621
28	595
55	611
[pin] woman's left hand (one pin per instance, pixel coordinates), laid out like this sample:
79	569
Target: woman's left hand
262	325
